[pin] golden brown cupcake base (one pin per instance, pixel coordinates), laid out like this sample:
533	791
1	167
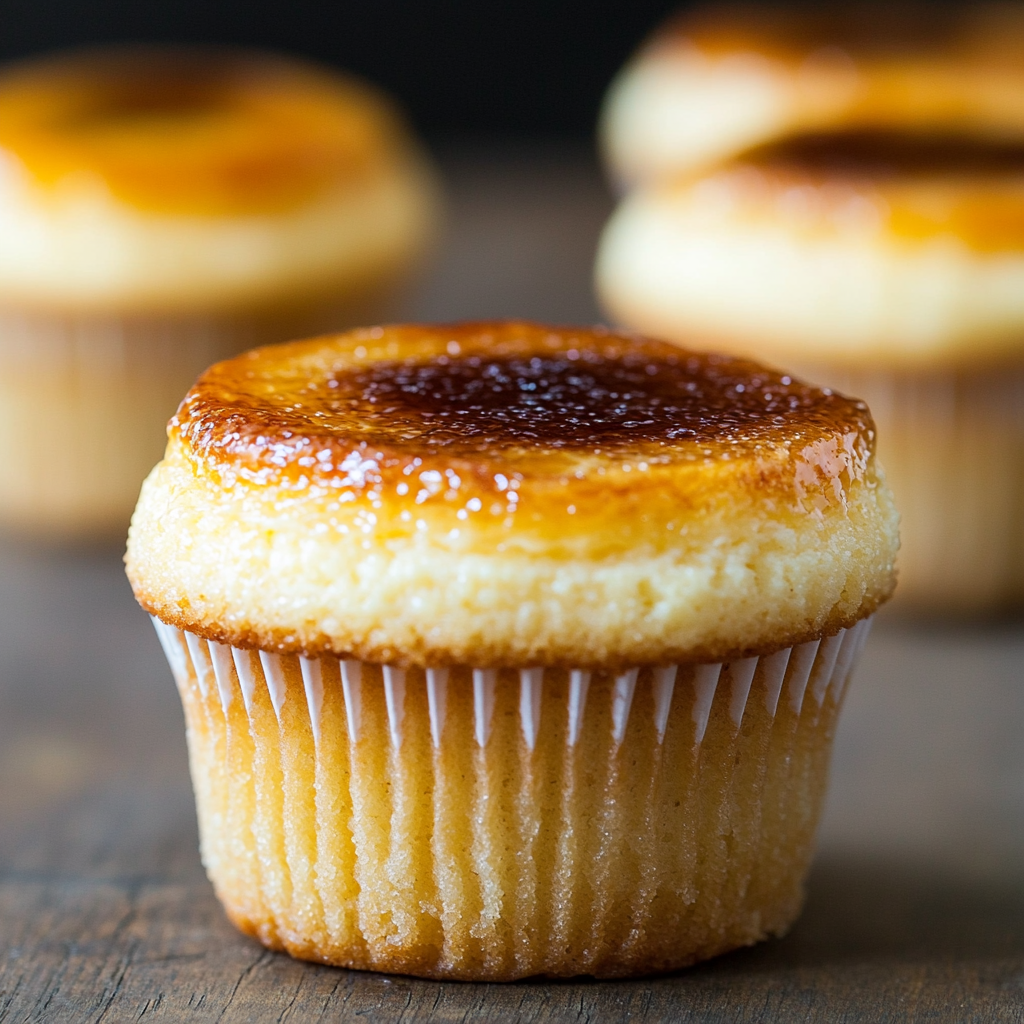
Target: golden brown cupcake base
494	825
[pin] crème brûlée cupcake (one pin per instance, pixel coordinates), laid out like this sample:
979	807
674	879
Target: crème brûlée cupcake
162	209
721	79
890	267
508	650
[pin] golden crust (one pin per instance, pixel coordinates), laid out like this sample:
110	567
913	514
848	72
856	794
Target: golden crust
511	494
198	132
917	189
720	80
873	33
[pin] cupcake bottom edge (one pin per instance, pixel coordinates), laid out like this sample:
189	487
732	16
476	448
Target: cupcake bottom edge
428	967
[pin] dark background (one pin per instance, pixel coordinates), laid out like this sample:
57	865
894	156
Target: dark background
460	67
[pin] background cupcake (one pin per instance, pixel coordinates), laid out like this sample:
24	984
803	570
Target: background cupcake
509	650
718	80
875	244
160	210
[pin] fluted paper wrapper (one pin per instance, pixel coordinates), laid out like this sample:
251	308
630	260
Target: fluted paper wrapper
497	824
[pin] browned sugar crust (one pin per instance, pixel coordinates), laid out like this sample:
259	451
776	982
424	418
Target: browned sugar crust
194	130
796	32
720	79
493	403
881	154
922	187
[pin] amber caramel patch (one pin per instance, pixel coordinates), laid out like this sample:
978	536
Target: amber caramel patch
501	394
195	132
877	31
885	154
914	187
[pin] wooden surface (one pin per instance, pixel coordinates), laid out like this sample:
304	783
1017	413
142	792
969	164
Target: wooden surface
916	902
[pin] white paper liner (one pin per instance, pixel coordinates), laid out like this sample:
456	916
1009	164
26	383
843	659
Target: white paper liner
786	674
448	822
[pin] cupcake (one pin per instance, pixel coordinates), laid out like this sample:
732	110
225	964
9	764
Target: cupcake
719	80
508	650
163	209
881	254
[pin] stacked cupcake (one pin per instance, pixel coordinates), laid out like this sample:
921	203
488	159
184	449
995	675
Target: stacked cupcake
163	209
842	193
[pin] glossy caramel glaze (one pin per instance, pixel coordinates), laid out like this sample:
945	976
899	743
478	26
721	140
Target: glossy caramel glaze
511	429
919	186
195	132
902	66
886	154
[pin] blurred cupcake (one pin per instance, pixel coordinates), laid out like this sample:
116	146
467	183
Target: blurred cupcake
888	264
509	650
160	210
719	80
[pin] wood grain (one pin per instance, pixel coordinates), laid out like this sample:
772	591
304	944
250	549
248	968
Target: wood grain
876	943
916	904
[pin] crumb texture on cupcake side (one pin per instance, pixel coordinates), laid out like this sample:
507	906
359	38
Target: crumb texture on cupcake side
512	495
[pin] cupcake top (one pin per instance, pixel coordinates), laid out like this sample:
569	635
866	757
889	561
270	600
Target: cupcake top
177	177
917	189
509	494
904	249
719	80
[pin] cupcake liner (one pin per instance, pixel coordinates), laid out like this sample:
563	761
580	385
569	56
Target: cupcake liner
952	444
228	669
484	823
85	400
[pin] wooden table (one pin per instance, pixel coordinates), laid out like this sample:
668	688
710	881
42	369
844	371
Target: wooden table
916	902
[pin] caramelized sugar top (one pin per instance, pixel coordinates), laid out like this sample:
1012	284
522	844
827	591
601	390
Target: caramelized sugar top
192	131
919	186
884	154
796	31
907	67
476	404
506	399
